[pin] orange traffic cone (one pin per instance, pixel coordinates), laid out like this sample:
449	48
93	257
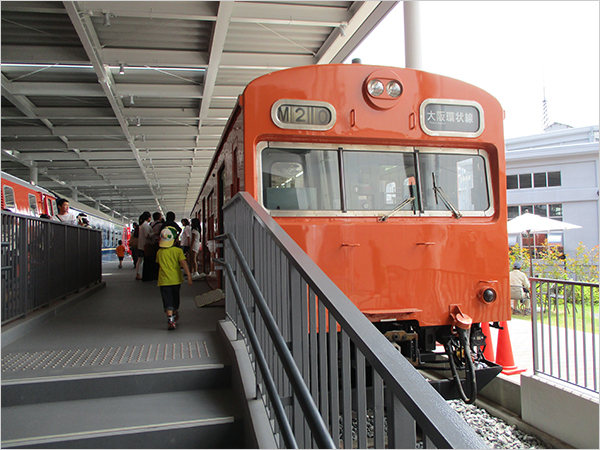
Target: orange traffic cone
488	352
504	354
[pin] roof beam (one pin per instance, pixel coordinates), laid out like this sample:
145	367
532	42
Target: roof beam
87	35
342	42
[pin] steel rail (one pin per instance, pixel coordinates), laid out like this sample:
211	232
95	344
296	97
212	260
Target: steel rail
311	412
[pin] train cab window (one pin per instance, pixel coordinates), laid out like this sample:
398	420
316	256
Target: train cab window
460	178
300	179
49	206
33	207
9	198
379	180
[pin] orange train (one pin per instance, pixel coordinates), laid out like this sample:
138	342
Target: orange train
393	181
28	199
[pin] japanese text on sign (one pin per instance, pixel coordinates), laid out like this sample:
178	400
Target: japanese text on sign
451	118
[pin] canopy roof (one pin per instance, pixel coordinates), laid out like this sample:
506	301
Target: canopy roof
120	105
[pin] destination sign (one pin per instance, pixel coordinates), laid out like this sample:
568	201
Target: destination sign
451	118
303	115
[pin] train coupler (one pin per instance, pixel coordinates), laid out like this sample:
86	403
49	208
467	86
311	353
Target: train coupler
461	320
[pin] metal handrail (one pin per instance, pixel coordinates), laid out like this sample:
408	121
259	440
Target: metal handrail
288	434
43	261
309	308
562	349
309	408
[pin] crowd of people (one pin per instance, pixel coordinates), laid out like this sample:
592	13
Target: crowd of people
145	240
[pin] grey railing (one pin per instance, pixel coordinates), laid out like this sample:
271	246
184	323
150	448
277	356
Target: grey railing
565	331
366	393
44	260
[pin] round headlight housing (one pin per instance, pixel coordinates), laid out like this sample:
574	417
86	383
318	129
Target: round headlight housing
375	87
382	89
394	89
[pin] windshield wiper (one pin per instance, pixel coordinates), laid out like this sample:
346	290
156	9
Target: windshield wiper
397	208
412	195
438	191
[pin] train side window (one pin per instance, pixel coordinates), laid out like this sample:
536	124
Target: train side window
9	198
300	179
49	206
33	207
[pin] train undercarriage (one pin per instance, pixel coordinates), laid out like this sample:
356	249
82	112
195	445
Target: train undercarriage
454	356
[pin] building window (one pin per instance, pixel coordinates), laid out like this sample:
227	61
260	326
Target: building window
555	211
525	181
554	179
513	211
539	180
541	210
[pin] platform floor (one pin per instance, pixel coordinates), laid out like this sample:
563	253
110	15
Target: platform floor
119	328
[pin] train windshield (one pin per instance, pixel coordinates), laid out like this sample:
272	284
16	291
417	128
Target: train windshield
403	181
460	178
379	181
301	179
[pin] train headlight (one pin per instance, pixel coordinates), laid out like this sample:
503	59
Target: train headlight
489	295
394	89
375	88
382	89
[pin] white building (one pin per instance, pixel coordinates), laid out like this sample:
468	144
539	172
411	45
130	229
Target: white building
555	174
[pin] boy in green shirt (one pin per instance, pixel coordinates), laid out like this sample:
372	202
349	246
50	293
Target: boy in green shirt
170	258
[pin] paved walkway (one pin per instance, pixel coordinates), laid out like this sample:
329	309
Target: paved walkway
119	328
520	332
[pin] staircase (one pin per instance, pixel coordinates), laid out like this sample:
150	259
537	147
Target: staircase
183	407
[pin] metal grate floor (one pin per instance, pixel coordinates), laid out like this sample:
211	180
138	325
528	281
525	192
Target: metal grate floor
54	359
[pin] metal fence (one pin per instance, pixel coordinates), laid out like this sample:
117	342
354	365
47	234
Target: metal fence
366	394
565	331
43	261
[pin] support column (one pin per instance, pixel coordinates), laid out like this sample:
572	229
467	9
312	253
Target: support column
33	174
412	35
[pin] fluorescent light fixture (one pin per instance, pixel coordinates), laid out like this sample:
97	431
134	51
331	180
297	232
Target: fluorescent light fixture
87	66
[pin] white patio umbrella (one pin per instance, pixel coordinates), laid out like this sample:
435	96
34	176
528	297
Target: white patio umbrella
528	223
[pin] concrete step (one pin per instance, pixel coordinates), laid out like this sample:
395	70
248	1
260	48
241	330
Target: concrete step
19	392
183	419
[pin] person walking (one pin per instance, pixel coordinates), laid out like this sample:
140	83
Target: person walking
120	250
145	233
133	243
195	248
171	260
519	289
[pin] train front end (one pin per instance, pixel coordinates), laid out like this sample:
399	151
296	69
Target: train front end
393	182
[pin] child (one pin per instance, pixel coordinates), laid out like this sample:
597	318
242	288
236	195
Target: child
170	258
120	253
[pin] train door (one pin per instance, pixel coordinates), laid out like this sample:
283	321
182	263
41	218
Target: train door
49	209
220	203
33	205
204	248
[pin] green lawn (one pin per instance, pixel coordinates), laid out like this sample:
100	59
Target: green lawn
552	318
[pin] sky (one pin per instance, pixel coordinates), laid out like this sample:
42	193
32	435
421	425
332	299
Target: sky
515	50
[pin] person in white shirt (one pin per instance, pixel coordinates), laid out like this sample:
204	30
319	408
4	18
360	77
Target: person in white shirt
195	249
186	235
144	234
64	215
519	288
